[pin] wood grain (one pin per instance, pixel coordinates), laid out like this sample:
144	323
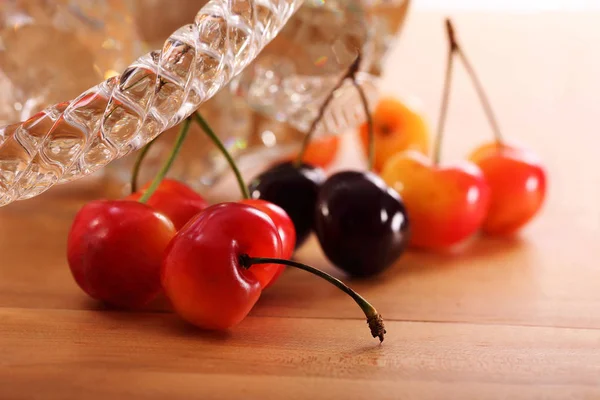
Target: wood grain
419	360
500	318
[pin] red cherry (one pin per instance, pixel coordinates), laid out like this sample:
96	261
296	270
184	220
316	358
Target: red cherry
282	221
284	226
115	250
201	273
175	200
446	205
518	186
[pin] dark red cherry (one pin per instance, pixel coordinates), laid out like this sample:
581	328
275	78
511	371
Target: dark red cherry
361	223
295	189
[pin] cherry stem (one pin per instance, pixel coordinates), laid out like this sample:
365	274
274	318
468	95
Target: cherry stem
138	164
351	73
365	104
215	139
374	319
445	98
185	128
483	98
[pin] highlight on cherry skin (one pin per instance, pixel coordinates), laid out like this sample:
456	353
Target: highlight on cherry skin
446	204
517	181
115	250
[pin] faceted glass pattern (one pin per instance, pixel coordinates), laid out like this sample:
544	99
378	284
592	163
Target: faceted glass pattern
156	92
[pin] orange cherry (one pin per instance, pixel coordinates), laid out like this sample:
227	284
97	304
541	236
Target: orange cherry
397	127
446	205
517	182
320	152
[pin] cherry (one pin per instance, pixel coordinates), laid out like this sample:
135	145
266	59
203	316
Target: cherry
321	152
209	271
397	127
294	186
114	251
361	223
516	176
446	204
278	216
285	228
295	190
201	274
517	182
115	248
175	200
281	220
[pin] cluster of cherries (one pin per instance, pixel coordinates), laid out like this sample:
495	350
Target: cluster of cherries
363	227
213	261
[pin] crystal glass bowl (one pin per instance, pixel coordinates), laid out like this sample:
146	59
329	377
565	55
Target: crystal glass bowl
69	140
282	88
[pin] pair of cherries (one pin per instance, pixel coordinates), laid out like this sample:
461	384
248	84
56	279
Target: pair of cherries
116	248
360	222
498	190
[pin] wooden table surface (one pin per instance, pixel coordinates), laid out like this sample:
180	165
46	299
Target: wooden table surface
502	319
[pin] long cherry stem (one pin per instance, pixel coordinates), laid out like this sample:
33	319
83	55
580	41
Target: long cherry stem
437	152
370	127
374	319
483	98
185	127
215	139
138	164
351	73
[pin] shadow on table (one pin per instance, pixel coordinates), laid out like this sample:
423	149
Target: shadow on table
162	321
434	283
481	248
